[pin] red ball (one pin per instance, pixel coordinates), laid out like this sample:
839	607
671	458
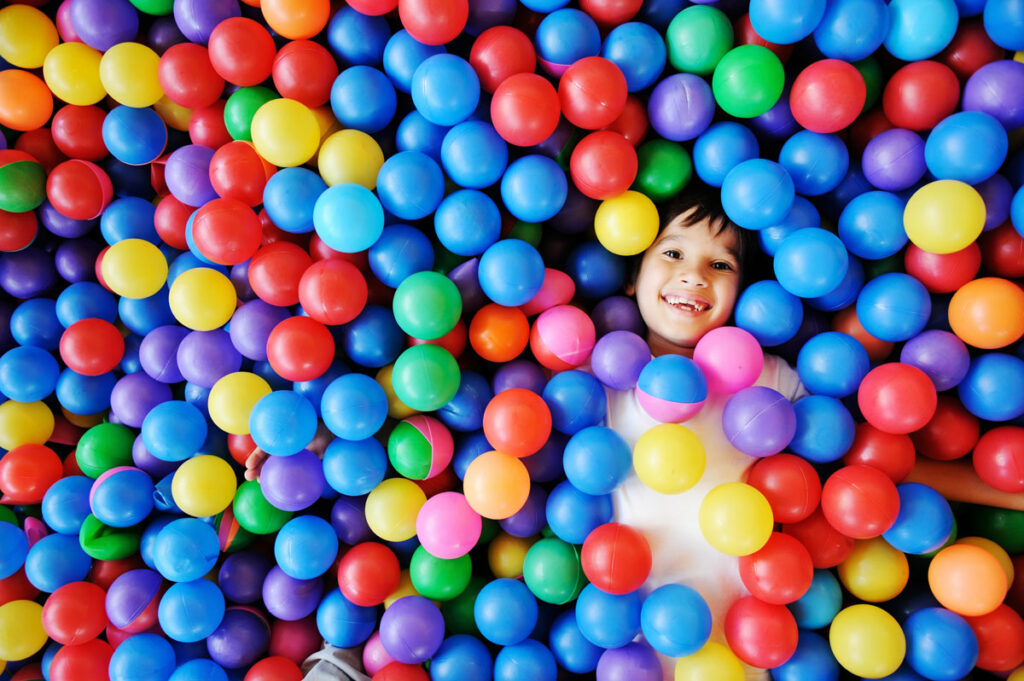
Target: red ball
828	546
91	346
238	172
603	164
517	422
241	51
942	273
761	634
865	129
828	95
950	434
454	341
970	49
592	92
274	669
226	231
305	71
17	588
1000	636
17	230
275	272
171	221
632	122
891	453
104	572
999	458
26	472
300	349
75	613
79	189
368	573
78	132
525	109
616	558
373	8
1002	251
433	22
897	398
920	94
860	501
82	662
187	76
789	483
332	291
295	640
500	52
207	127
746	35
397	671
780	572
611	12
40	146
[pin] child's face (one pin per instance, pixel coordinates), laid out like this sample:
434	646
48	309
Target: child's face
687	284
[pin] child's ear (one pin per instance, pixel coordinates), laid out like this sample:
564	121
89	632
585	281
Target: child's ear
630	287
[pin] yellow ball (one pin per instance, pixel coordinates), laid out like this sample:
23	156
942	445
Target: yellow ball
944	216
713	661
874	571
397	409
736	519
506	555
405	588
392	507
996	550
1018	673
285	132
174	115
26	36
21	630
134	268
203	485
867	641
129	74
669	458
72	72
24	423
627	224
350	156
231	399
202	299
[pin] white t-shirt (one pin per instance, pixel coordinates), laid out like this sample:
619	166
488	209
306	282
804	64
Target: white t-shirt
680	553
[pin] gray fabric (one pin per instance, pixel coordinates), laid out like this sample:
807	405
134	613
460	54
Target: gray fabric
334	664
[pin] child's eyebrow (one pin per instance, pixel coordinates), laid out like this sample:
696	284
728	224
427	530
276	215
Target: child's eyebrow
731	250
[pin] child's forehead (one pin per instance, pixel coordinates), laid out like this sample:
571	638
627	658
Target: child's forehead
681	229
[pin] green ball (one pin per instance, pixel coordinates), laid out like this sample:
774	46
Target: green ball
425	377
552	571
22	186
698	37
1004	526
7	516
103	447
157	8
530	232
409	452
439	579
458	612
103	542
664	169
427	305
748	81
254	513
241	107
874	80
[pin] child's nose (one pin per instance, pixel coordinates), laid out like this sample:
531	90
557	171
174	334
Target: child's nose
692	276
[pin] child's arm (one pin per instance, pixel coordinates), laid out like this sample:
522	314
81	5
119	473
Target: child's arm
957	481
257	457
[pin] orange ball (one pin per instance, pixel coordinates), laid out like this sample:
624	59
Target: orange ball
846	321
517	422
988	313
967	579
498	333
496	485
296	19
25	101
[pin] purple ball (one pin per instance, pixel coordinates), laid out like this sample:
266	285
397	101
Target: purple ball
997	192
198	18
290	599
144	460
531	518
894	160
239	276
27	273
618	358
776	123
130	594
159	351
242	574
577	214
483	14
187	172
61	225
465	278
348	518
251	326
681	107
617	313
557	141
941	355
412	629
101	24
631	662
75	260
520	373
997	88
545	465
134	395
163	34
292	483
241	639
759	421
206	356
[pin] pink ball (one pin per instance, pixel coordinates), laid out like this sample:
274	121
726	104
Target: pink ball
447	525
731	359
558	289
562	337
295	640
375	657
439	437
667	411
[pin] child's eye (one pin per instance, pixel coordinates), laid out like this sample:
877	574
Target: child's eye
720	265
673	253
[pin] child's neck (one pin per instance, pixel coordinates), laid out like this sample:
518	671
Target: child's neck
660	346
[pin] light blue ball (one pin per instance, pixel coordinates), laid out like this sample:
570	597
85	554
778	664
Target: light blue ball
969	146
511	272
757	193
920	29
596	460
894	307
769	312
355	468
833	364
305	547
871	225
467	222
282	423
675	620
817	162
445	89
534	188
348	217
354	406
811	262
852	30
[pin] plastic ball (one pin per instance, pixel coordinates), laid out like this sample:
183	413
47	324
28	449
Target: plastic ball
496	485
79	189
461	657
296	20
445	89
626	224
285	132
534	188
427	305
811	262
987	390
608	620
986	313
827	96
592	92
191	611
919	29
757	194
425	377
698	39
203	486
867	641
368	573
134	136
748	81
671	388
759	633
759	421
735	518
852	30
355	202
616	558
681	107
505	611
433	23
552	570
940	644
525	109
967	579
995	456
447	526
122	497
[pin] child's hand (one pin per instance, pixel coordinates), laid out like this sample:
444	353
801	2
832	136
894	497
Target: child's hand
254	463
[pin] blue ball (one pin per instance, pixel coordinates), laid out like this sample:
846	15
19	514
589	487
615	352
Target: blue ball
529	659
462	658
373	339
410	185
142	656
342	623
187	261
66	504
282	423
174	430
128	217
85	299
784	23
289	197
505	611
639	52
565	36
416	133
576	400
313	390
811	262
400	251
769	312
1004	23
354	406
871	225
596	460
445	89
306	547
134	136
969	146
85	395
991	389
925	520
35	322
142	315
674	378
122	499
402	55
186	549
28	373
573	514
467	449
832	363
941	645
608	620
357	38
465	412
348	217
812	661
817	162
363	98
157	522
852	30
545	6
722	147
675	620
474	155
757	193
845	294
919	29
199	669
15	544
511	272
467	222
596	271
820	604
571	649
355	467
56	560
191	611
894	307
824	429
852	186
534	188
